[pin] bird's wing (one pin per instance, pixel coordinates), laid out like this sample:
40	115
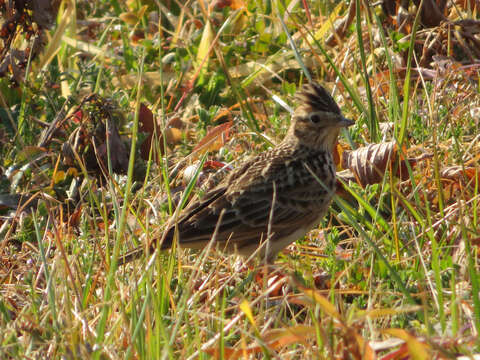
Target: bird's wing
243	223
245	199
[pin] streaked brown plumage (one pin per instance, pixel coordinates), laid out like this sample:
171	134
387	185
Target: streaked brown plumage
299	171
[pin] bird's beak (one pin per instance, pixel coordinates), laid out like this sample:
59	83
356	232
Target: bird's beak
344	122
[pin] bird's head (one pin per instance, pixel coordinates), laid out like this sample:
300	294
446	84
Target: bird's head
317	120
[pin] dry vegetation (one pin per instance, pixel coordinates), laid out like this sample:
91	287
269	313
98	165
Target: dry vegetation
113	114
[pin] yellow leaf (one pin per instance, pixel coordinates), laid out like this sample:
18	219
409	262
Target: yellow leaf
173	136
328	25
129	17
204	47
55	42
417	349
59	176
277	338
247	310
237	4
132	17
142	10
72	172
323	302
240	22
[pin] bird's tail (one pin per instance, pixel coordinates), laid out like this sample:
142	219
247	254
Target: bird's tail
314	97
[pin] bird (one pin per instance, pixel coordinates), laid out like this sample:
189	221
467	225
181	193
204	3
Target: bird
275	197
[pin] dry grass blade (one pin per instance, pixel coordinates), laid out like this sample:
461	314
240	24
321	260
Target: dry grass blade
54	44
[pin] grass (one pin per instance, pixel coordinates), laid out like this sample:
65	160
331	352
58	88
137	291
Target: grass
392	270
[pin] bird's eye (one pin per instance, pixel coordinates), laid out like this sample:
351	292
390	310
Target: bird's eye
314	118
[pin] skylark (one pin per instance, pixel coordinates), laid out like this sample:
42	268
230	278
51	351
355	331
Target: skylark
275	197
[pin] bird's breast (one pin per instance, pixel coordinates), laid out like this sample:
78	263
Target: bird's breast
319	168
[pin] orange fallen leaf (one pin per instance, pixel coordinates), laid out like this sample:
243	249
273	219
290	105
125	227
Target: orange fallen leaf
215	139
273	339
459	173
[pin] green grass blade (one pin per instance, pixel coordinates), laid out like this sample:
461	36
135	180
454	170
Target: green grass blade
401	131
295	50
372	121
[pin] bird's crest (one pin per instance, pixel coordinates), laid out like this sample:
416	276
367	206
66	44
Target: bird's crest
314	97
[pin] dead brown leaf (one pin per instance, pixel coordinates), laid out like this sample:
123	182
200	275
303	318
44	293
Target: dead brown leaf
96	133
148	125
369	163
